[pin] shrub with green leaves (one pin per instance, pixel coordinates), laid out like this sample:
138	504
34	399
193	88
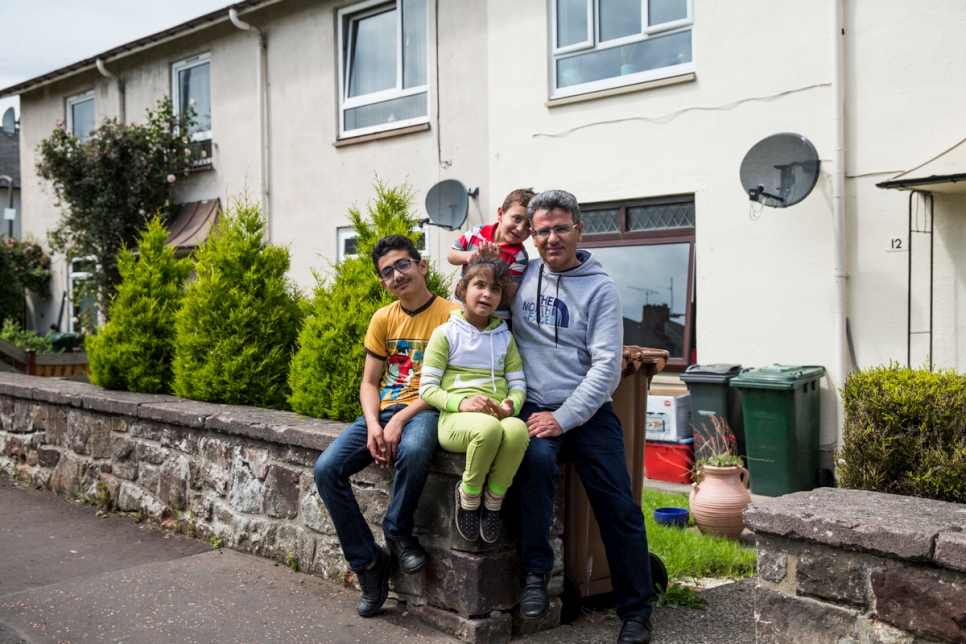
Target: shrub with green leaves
11	292
327	370
24	338
240	319
134	350
905	432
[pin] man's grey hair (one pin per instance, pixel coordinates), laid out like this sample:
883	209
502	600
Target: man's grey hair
551	200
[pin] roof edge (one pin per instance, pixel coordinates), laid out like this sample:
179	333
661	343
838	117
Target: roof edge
195	24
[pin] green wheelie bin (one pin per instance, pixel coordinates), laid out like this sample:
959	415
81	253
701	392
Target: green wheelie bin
712	397
781	415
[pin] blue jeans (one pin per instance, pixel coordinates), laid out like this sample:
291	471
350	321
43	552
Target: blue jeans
348	455
596	449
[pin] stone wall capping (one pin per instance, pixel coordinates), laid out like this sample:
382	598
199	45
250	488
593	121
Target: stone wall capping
275	426
886	524
49	390
187	413
951	549
123	403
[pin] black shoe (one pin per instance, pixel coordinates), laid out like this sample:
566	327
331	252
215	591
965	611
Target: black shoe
490	525
636	630
409	553
467	521
375	585
534	603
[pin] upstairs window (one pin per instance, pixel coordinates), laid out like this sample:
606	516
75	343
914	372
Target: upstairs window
601	44
80	115
348	246
383	66
191	89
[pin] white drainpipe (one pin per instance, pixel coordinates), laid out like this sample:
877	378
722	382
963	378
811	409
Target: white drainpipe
120	89
838	211
261	79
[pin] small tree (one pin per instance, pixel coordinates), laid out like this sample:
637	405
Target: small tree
237	328
327	369
134	350
112	184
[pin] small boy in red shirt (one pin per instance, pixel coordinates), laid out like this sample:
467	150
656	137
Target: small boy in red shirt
504	238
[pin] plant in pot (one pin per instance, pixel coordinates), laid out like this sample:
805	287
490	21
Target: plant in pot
720	491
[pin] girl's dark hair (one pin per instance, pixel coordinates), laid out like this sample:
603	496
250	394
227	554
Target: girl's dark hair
498	270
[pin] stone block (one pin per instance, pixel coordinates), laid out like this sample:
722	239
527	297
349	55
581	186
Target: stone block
48	456
330	562
183	440
897	526
24	415
149	477
281	492
148	453
485	630
55	421
131	498
255	457
17	446
472	583
68	475
292	540
292	455
926	601
100	441
260	538
245	492
119	424
186	413
58	392
125	469
122	448
373	502
837	575
530	626
450	463
146	429
951	550
880	633
772	561
780	619
32	458
123	403
172	482
7	406
80	426
314	514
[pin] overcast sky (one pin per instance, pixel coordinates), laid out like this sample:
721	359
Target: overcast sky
40	36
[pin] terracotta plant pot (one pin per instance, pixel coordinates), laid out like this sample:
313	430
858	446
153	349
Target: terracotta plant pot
717	501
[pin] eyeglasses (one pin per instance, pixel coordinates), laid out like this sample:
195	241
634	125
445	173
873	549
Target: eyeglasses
402	266
561	231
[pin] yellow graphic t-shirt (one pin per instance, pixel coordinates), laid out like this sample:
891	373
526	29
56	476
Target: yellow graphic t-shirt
399	337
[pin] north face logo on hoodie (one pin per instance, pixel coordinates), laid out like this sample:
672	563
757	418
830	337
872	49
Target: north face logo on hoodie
553	312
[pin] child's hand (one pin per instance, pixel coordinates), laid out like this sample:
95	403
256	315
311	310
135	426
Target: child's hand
479	404
488	249
505	410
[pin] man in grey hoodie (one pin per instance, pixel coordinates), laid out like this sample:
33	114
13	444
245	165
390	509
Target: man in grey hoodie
568	325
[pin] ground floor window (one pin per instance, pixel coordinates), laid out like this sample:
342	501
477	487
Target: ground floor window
83	296
346	239
647	247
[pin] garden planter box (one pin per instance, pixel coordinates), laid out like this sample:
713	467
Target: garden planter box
669	461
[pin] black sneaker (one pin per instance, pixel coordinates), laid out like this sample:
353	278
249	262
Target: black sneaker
467	521
490	524
375	585
636	630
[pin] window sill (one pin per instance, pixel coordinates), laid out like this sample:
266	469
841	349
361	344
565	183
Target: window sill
380	135
617	91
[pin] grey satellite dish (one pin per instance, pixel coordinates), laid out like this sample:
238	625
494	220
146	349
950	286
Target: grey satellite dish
9	122
780	170
448	202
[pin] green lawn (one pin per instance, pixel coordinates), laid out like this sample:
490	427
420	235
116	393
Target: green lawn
688	553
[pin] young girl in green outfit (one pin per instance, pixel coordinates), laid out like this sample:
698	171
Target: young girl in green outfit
473	374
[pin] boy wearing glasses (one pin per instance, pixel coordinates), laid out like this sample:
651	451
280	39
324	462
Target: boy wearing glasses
504	239
396	428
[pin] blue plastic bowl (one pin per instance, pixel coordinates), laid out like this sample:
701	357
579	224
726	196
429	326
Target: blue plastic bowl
672	516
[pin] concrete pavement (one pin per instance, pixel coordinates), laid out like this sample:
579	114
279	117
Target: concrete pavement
68	575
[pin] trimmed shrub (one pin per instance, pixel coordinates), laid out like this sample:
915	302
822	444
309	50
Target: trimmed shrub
327	369
134	350
905	432
240	319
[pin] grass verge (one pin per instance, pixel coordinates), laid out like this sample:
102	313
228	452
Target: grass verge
687	553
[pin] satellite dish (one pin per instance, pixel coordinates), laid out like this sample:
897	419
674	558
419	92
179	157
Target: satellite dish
448	202
780	170
9	122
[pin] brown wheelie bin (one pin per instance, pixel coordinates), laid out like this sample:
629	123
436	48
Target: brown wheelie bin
585	561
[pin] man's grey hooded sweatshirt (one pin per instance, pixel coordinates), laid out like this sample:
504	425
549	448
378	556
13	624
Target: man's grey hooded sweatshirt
570	331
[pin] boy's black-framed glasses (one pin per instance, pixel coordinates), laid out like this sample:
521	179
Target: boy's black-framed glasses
402	266
561	231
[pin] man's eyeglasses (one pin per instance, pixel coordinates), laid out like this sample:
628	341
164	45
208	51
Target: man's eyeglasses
402	266
561	231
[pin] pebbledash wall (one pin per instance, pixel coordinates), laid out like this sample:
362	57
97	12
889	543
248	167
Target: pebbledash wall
244	475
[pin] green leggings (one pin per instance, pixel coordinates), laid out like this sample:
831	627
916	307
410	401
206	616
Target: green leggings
494	448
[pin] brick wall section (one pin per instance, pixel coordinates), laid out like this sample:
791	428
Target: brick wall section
850	566
244	475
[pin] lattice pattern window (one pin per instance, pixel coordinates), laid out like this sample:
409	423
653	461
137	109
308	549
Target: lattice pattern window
661	216
602	221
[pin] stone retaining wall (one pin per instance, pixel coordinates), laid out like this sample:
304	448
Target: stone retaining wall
244	475
849	566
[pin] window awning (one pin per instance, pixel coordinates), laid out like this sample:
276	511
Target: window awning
944	173
190	227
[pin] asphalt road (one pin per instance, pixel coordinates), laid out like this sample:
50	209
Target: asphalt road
67	575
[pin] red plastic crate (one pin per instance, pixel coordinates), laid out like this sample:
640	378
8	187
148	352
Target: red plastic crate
668	461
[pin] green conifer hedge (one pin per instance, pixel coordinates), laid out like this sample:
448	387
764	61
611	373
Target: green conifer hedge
134	350
327	369
905	432
240	319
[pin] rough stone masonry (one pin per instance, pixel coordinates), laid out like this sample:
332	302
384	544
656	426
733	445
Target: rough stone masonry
244	475
850	566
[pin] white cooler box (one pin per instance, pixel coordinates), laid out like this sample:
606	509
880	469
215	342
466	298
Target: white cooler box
669	418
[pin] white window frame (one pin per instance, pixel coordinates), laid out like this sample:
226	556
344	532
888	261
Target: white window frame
592	43
72	277
180	66
344	233
77	99
345	17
